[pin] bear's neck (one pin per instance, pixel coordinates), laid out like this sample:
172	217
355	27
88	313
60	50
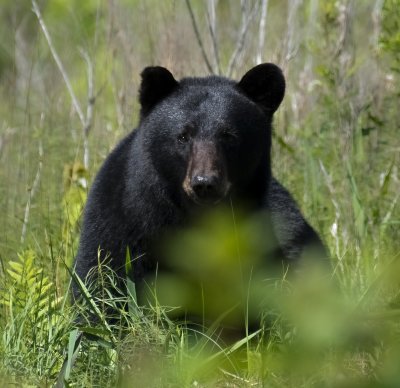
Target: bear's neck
252	194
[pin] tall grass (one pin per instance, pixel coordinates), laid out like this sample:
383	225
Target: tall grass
335	146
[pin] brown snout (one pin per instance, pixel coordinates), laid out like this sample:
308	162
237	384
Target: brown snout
206	180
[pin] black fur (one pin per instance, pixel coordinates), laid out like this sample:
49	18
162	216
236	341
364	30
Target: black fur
138	192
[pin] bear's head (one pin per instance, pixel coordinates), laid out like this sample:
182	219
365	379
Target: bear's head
210	138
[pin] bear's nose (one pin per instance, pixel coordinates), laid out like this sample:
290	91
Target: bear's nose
205	187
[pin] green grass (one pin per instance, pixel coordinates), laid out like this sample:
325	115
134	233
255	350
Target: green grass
335	146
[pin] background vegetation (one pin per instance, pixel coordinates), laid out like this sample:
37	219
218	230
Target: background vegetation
336	147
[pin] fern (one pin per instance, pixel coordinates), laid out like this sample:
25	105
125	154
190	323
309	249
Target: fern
36	320
26	285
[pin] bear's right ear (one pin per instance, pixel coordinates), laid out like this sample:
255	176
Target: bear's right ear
265	85
157	83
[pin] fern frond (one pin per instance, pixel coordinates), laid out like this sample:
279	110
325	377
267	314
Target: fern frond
26	285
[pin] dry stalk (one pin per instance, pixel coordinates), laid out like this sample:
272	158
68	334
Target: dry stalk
90	108
344	20
377	21
32	191
212	26
291	45
335	226
247	18
57	59
261	32
85	121
198	37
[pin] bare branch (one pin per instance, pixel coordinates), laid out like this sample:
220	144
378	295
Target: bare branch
32	191
376	20
261	31
58	62
344	19
247	18
88	120
309	34
337	221
211	21
198	37
291	45
89	110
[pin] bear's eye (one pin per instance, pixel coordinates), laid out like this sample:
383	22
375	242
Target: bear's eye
183	138
227	135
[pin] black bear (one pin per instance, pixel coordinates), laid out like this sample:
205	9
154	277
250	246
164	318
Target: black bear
200	142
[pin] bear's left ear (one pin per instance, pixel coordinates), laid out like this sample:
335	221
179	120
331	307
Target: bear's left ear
265	85
157	83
